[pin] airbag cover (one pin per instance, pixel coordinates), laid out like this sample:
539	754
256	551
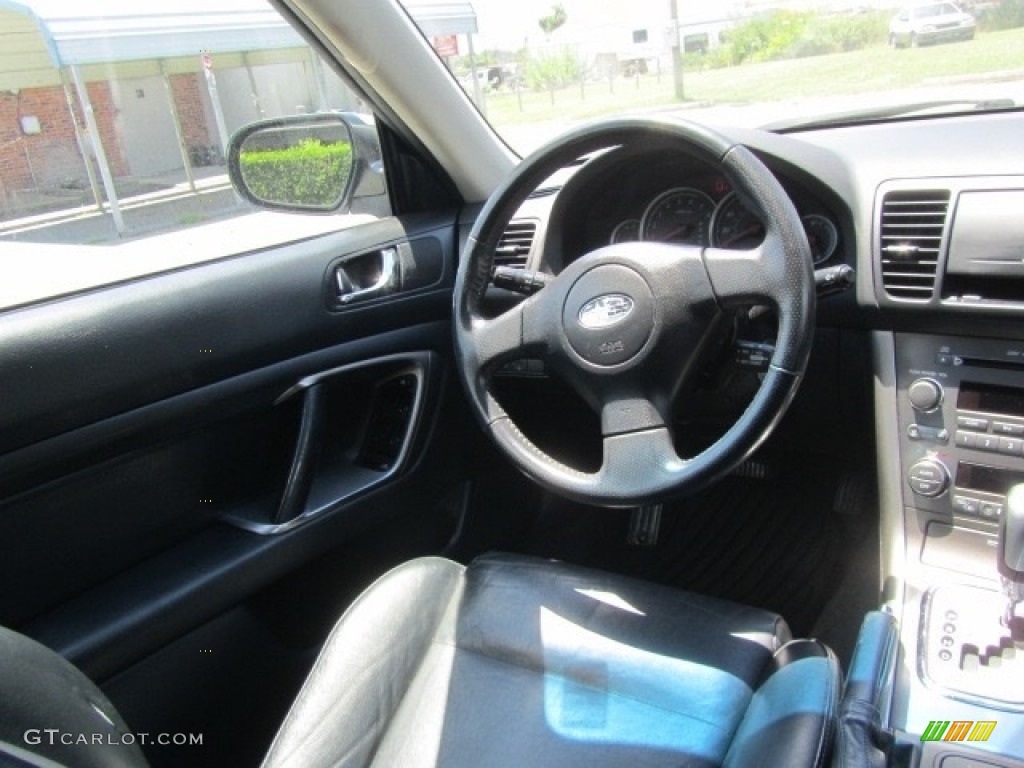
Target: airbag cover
608	315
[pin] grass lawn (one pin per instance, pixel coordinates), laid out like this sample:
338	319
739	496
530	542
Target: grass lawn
865	71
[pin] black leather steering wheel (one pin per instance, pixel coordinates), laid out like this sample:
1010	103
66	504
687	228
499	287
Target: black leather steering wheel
625	324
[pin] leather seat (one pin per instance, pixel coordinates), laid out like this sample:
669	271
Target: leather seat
515	661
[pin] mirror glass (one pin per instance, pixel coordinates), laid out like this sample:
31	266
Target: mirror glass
302	163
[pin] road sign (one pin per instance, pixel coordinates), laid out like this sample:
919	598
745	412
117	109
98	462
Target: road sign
446	45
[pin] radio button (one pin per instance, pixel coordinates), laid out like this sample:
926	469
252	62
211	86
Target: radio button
928	478
965	505
973	422
987	443
1003	428
965	439
991	511
925	394
930	488
927	470
1011	445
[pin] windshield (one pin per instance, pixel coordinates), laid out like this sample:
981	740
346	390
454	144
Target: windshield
536	67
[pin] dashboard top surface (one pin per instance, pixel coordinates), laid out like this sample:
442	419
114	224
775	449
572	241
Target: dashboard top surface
837	174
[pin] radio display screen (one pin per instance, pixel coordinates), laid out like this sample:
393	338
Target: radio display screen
977	477
989	398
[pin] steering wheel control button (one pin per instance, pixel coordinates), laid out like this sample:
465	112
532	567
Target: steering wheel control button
608	315
928	478
925	395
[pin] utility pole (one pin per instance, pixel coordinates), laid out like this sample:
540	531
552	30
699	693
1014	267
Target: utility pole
677	57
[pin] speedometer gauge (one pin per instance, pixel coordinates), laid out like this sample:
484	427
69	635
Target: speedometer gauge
822	236
626	231
680	215
734	226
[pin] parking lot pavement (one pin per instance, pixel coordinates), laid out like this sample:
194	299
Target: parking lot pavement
33	271
174	207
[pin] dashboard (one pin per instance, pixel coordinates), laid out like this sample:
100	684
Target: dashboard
663	197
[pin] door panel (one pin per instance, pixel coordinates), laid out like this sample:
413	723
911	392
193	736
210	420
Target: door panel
171	446
72	362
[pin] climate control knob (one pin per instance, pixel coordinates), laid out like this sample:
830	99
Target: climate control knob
925	394
928	477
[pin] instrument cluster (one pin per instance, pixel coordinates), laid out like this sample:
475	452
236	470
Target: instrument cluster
672	200
690	216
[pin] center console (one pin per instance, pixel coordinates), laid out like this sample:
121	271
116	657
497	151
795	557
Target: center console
959	434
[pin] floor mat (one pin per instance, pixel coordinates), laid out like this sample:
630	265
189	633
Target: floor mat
772	543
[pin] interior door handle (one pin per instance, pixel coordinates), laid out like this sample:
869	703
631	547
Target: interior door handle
368	276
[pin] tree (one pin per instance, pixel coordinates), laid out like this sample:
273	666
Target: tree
553	20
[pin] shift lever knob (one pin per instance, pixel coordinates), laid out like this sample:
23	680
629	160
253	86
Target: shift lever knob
1011	550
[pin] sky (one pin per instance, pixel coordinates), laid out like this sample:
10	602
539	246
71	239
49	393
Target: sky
503	24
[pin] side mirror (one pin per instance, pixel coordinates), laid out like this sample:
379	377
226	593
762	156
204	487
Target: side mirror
300	163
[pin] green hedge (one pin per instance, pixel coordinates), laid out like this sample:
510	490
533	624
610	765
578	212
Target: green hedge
795	34
310	173
1008	14
553	70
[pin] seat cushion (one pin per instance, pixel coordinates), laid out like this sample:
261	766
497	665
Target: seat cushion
517	661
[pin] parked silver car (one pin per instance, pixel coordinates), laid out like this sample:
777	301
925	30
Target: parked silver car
927	23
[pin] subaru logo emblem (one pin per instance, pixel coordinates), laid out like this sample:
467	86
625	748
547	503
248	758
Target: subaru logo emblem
605	311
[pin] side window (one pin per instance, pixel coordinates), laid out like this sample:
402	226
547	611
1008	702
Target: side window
113	133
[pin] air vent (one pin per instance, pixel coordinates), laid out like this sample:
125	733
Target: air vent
514	246
911	234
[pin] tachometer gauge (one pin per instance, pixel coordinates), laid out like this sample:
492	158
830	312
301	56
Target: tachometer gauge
822	236
733	226
680	215
627	231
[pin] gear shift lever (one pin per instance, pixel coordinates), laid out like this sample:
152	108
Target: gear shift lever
1011	551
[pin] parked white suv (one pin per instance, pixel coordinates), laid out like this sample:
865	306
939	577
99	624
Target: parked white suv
927	23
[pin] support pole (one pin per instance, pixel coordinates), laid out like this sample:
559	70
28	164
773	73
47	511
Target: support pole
253	89
97	146
218	110
318	80
90	172
178	131
478	95
677	57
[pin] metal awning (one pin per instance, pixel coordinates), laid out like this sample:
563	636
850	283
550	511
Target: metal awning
87	40
121	32
442	18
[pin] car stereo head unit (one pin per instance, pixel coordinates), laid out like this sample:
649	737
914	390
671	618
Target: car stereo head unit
962	415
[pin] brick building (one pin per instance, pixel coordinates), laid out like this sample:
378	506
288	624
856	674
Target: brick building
163	94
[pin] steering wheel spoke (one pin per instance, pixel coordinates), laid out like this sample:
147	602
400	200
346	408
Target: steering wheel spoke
623	415
639	462
513	334
740	278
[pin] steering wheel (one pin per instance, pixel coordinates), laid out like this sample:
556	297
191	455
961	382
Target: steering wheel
625	324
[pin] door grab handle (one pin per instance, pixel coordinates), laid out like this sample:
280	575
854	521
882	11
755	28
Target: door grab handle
383	279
